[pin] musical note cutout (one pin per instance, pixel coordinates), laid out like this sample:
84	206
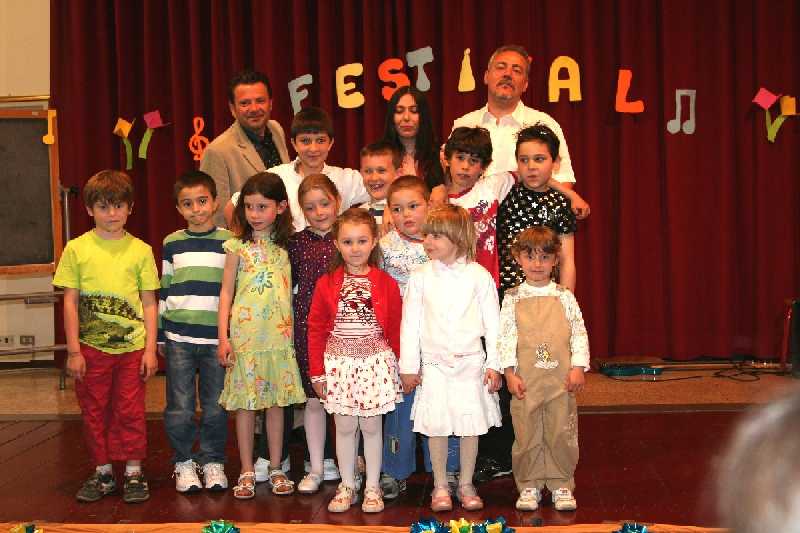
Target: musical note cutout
674	125
197	142
123	129
50	138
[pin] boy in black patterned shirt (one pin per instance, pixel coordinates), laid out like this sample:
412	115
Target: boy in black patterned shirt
532	202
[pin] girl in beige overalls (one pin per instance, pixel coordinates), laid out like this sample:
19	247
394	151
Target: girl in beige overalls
544	350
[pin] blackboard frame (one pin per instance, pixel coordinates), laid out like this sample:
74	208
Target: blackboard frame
49	116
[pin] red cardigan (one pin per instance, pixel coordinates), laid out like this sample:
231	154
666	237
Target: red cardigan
386	302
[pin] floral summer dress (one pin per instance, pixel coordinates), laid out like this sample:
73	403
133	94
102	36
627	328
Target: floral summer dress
265	372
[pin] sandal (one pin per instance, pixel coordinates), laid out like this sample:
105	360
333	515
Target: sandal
440	500
469	498
373	500
280	483
245	488
344	498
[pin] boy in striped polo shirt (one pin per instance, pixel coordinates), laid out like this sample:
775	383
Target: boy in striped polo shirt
191	276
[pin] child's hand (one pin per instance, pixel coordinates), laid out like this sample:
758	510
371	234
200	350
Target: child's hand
76	365
515	385
575	379
149	365
410	382
225	353
320	389
493	380
580	208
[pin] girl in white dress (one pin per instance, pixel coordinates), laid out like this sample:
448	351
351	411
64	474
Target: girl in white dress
449	304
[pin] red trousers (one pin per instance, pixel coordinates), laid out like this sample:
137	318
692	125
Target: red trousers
111	397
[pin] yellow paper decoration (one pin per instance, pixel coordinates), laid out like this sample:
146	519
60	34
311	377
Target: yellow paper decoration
353	99
466	81
572	83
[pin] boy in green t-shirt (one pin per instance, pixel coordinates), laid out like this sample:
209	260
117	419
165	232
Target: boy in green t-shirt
110	314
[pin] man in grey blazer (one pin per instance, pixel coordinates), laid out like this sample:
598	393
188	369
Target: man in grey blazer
251	145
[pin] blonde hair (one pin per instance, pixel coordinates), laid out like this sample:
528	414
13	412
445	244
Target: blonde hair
455	223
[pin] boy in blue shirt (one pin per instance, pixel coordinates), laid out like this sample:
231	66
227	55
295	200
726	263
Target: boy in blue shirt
193	261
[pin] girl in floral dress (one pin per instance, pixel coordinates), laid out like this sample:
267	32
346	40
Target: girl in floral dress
353	342
256	304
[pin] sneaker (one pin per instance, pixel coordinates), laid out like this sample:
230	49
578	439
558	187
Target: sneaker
344	498
392	487
97	486
358	479
261	467
529	499
286	465
563	500
373	501
185	475
488	469
135	489
214	477
309	484
330	472
452	481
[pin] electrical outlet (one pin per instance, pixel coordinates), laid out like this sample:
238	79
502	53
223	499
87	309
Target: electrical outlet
6	340
27	340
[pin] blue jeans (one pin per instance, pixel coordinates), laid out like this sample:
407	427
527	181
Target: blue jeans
184	361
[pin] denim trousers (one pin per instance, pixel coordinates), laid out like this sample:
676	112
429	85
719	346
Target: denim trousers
184	362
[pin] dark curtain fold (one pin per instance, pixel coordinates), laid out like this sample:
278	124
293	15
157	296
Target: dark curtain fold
692	244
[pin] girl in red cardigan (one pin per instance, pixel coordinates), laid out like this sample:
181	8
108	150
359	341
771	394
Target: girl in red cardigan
353	343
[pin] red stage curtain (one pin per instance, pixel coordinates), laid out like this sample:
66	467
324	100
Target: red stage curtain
692	244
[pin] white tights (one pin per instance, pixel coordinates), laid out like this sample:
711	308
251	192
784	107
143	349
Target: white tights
347	442
315	425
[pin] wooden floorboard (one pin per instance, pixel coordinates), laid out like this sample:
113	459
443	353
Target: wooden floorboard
651	467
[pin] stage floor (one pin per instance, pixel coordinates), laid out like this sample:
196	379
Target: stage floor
647	454
650	467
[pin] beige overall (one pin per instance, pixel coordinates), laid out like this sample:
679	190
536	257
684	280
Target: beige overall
545	451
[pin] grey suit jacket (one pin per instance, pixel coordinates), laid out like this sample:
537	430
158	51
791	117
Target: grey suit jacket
231	158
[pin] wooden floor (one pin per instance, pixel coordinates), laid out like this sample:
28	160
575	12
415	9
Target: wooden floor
649	467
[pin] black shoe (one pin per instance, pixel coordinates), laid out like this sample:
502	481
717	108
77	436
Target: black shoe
136	489
96	487
489	468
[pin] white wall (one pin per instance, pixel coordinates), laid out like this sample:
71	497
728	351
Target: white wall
25	71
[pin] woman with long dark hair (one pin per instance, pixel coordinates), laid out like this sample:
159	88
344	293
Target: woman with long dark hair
409	128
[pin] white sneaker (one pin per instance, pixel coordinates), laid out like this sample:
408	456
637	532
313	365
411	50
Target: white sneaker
358	479
214	477
529	499
286	465
563	500
309	484
261	467
330	472
186	479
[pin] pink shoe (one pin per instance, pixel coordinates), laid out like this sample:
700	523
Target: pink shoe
440	500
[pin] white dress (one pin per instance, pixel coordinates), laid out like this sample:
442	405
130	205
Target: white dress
446	311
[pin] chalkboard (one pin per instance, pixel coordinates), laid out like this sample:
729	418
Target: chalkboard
30	210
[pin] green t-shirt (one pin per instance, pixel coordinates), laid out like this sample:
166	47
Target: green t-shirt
109	275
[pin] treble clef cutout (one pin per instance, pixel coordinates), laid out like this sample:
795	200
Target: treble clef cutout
197	142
